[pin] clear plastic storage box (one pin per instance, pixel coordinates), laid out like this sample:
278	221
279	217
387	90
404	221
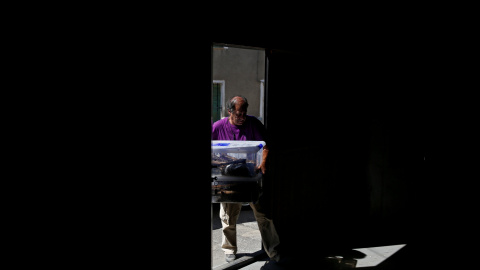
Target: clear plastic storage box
235	177
236	158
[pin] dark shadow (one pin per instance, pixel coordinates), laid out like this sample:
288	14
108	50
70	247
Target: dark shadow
240	255
310	262
411	256
346	253
405	258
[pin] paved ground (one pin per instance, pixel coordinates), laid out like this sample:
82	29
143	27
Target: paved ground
248	236
251	257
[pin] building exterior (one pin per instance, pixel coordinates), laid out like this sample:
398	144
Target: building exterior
238	71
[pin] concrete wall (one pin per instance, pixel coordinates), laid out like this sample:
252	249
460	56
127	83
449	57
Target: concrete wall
242	70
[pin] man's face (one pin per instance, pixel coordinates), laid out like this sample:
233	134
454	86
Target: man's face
239	115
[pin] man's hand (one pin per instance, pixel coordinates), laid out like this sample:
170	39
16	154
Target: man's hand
262	165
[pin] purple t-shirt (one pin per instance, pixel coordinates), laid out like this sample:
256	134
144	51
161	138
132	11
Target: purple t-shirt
251	130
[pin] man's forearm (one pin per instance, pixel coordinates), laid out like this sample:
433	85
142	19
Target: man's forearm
264	159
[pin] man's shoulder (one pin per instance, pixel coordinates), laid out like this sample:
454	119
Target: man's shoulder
254	120
220	122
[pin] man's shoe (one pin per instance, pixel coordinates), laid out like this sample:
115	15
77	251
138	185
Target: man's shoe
229	257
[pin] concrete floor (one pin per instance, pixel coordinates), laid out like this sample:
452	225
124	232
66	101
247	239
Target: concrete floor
371	258
249	240
251	257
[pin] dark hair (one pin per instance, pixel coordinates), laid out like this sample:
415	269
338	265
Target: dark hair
232	101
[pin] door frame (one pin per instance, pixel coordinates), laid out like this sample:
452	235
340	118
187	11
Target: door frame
222	95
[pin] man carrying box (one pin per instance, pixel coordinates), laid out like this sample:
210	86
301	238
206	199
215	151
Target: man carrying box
243	127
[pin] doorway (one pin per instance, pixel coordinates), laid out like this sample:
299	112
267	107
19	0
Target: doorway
237	70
